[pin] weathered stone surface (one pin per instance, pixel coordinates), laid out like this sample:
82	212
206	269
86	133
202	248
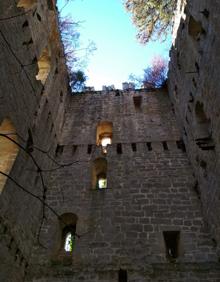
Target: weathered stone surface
193	88
153	185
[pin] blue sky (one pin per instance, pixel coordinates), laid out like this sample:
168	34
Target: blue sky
118	53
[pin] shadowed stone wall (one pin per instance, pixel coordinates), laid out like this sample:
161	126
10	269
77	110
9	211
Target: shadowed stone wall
194	90
151	186
35	111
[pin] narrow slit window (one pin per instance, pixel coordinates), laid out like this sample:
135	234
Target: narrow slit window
175	92
171	239
165	147
74	148
119	148
149	147
89	149
122	275
134	147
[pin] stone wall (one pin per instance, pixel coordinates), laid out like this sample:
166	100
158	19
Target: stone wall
193	86
150	190
152	120
31	106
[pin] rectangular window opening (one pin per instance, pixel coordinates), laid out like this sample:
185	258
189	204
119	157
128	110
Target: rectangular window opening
74	148
171	239
134	147
137	101
149	147
59	150
122	275
117	92
119	148
89	149
165	147
180	145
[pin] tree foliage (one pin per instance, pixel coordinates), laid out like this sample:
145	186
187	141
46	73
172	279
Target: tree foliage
155	76
70	38
77	80
76	57
153	18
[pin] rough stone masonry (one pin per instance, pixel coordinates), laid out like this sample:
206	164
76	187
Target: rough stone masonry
144	207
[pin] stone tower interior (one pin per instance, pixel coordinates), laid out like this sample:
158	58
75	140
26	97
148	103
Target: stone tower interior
108	185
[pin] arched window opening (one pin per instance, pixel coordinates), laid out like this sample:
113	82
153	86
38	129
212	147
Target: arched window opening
104	135
68	246
68	227
99	174
69	237
43	63
8	150
27	4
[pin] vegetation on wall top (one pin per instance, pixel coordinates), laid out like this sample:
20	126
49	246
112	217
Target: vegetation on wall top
154	76
75	61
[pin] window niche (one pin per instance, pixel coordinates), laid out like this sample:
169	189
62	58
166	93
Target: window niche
137	101
119	148
203	134
59	150
68	223
195	29
50	4
122	275
43	63
8	149
172	244
104	135
27	4
99	174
